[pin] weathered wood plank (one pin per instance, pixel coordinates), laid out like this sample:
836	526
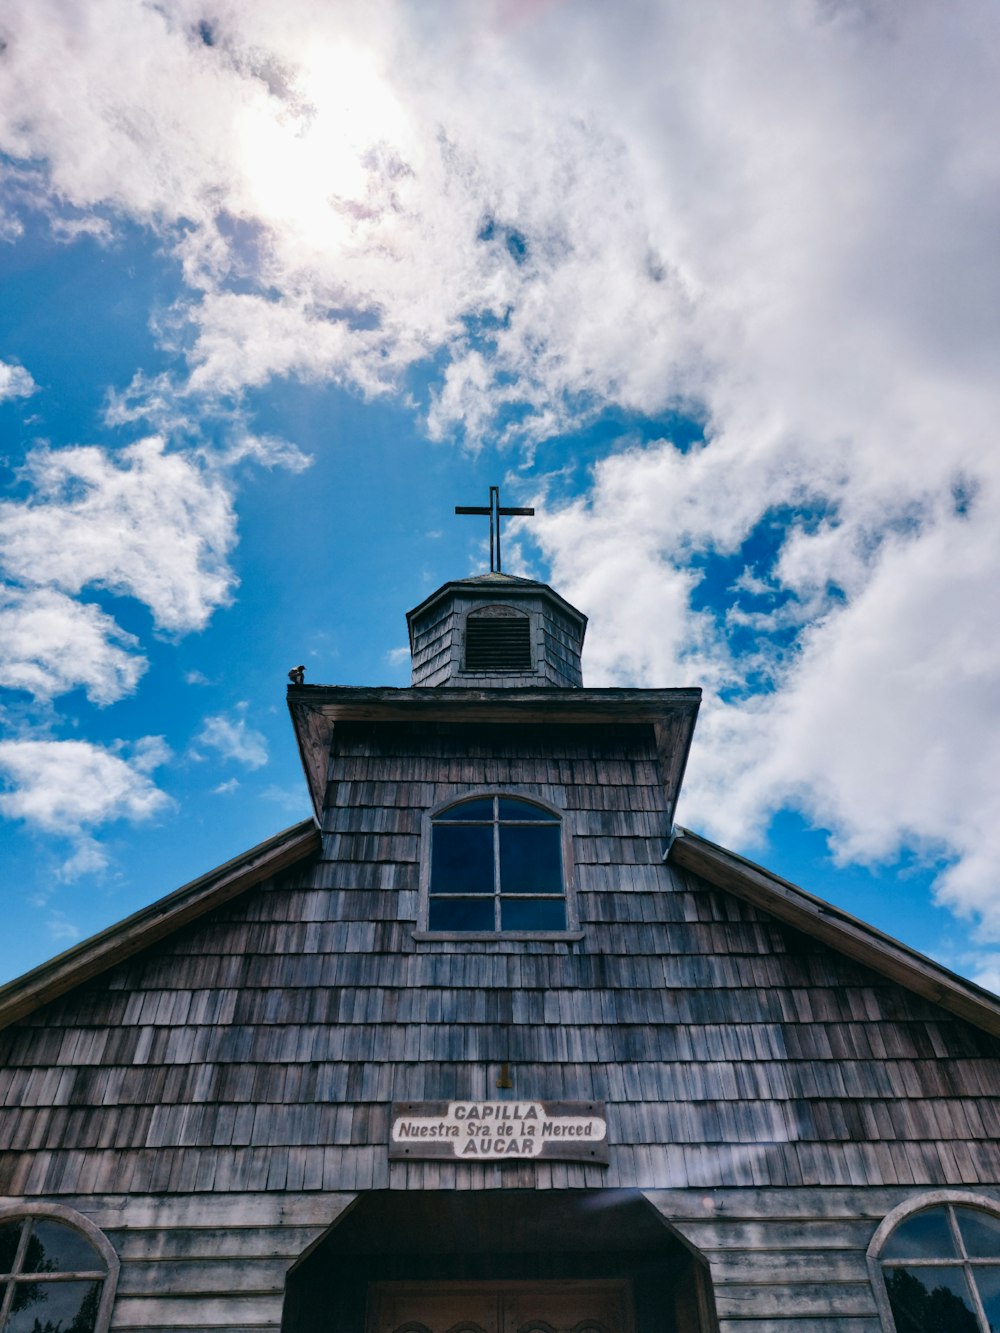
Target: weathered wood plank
789	1268
250	1274
215	1243
800	1300
828	1323
139	1213
195	1312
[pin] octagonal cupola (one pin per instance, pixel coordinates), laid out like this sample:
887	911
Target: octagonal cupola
496	630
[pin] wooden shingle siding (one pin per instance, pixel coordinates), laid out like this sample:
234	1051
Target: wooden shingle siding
774	1097
556	633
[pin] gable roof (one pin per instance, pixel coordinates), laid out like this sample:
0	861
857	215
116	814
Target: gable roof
494	585
155	922
841	931
724	869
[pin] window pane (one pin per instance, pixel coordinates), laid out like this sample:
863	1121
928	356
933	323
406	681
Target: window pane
980	1232
461	914
10	1234
923	1236
462	860
54	1307
988	1282
930	1300
479	809
530	860
54	1248
532	914
512	809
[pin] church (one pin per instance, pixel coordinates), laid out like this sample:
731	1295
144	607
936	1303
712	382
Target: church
490	1045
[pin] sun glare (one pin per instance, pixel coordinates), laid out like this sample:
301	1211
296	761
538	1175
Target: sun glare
305	168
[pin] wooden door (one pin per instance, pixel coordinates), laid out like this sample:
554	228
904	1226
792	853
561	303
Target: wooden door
500	1307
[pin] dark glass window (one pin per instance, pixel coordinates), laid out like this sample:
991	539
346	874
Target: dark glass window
51	1278
942	1271
496	864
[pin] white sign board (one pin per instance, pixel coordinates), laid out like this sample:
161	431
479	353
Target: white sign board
475	1131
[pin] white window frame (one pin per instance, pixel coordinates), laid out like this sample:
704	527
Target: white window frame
16	1210
921	1203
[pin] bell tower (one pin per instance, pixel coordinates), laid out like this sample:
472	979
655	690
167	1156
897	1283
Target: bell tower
494	631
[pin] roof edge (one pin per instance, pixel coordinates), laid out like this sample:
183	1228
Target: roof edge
91	957
607	703
317	709
496	590
830	925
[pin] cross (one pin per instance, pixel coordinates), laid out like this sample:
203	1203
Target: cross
495	509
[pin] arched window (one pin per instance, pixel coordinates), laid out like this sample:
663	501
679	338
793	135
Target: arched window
938	1266
57	1272
496	865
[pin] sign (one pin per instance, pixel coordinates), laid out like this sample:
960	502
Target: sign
514	1130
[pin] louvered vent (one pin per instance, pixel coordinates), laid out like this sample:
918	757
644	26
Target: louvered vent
498	644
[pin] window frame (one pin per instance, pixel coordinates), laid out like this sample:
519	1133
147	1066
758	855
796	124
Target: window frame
900	1214
17	1210
572	930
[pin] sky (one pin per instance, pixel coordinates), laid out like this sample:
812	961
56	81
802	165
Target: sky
714	287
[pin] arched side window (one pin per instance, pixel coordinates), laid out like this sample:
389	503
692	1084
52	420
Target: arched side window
496	864
936	1265
57	1271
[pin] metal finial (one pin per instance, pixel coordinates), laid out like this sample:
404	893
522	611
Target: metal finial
494	509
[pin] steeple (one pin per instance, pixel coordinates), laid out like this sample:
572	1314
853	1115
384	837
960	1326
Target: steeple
496	630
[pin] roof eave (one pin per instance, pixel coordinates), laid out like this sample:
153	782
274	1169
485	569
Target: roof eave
121	941
316	709
838	929
498	590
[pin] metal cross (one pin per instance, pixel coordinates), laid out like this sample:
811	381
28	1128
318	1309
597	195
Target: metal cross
494	510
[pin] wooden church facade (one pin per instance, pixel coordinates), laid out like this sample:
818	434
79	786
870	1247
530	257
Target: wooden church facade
797	1117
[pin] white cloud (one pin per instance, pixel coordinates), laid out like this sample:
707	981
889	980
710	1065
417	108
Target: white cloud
351	198
69	229
783	216
61	929
15	382
88	858
50	644
232	739
150	752
291	800
65	787
226	788
880	720
149	524
269	451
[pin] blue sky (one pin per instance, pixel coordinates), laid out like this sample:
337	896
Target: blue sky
714	287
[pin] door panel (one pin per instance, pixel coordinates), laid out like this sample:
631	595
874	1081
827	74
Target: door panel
566	1307
500	1307
433	1307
